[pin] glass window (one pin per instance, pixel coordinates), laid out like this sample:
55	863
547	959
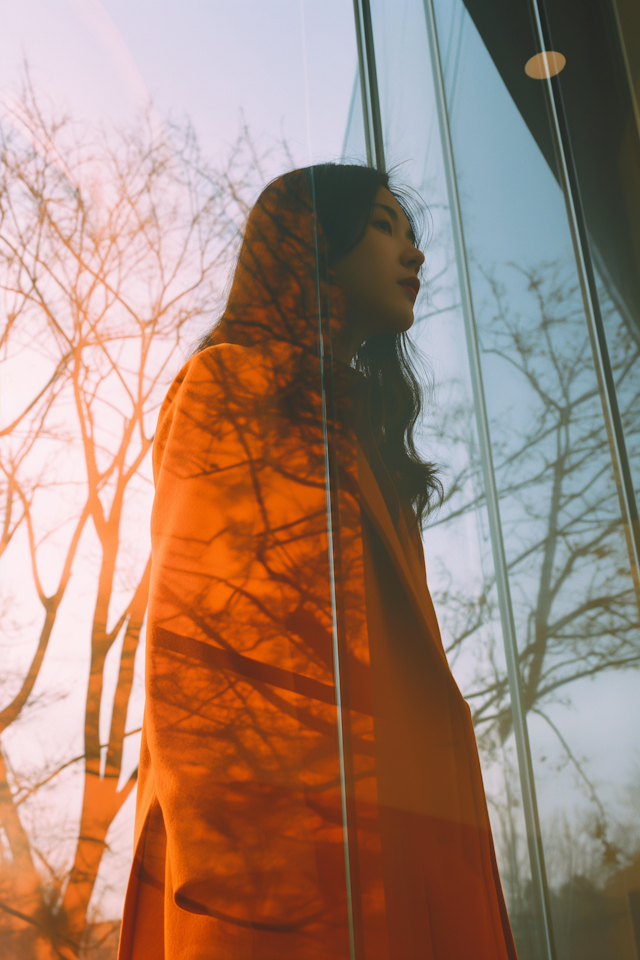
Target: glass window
305	768
135	139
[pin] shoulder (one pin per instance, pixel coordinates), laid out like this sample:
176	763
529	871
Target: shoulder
226	373
217	367
216	387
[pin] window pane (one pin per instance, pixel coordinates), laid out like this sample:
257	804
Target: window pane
136	138
574	598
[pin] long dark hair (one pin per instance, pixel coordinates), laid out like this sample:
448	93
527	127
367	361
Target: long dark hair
344	196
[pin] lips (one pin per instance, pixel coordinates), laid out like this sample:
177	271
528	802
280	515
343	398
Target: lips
412	283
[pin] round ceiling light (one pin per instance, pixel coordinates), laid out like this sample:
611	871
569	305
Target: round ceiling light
544	65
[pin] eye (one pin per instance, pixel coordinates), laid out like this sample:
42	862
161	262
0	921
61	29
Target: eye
383	225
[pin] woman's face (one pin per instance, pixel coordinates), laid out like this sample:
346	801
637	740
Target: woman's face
379	276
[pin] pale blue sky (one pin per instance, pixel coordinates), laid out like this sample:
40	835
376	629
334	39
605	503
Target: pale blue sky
205	58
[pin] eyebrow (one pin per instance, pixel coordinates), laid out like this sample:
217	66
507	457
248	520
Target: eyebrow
394	216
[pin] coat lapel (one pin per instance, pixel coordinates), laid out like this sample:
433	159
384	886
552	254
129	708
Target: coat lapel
416	588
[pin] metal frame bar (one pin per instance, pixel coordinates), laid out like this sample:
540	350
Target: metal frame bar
337	669
352	108
375	157
591	303
369	84
348	823
521	733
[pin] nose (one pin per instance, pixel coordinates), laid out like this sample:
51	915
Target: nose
412	257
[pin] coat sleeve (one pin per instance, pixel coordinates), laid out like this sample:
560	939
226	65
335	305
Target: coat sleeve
240	714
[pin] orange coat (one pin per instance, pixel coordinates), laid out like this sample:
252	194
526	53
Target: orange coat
309	782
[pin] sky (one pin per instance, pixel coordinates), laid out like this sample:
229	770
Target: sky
287	66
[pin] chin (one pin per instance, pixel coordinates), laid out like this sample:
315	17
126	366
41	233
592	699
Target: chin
392	322
402	324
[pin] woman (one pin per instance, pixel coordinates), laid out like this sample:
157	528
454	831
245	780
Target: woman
309	779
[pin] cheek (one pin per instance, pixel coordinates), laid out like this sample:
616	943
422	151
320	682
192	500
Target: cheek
386	301
377	274
369	277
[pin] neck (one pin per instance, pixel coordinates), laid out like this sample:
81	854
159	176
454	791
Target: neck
347	342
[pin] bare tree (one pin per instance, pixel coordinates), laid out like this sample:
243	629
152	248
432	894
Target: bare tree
574	597
575	602
113	251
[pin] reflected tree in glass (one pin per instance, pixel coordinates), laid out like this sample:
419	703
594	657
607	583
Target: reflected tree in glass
574	597
113	249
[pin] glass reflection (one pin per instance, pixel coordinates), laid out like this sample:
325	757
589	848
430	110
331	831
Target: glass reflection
574	598
118	226
568	563
85	348
113	255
